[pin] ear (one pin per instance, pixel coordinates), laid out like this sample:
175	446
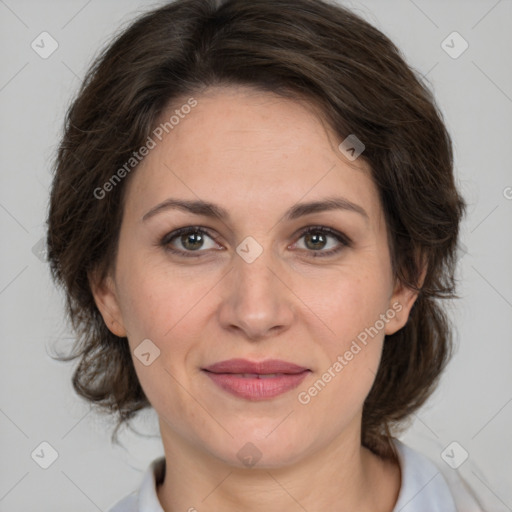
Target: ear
106	299
401	302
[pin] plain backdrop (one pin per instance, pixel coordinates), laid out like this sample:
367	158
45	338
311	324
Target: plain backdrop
473	405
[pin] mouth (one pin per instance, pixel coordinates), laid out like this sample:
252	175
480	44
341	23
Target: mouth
256	380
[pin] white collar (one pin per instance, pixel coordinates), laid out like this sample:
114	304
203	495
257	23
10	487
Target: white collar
423	487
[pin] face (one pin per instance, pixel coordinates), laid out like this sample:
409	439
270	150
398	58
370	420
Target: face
265	279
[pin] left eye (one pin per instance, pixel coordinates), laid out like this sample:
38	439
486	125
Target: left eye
316	239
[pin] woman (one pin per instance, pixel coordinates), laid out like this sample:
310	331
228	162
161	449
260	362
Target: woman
254	217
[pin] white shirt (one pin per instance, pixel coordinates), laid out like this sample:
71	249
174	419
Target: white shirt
423	488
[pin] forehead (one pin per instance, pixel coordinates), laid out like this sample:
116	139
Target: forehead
248	149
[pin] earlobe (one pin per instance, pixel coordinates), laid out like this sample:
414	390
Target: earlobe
105	297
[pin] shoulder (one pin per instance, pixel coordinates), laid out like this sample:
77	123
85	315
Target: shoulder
145	498
427	488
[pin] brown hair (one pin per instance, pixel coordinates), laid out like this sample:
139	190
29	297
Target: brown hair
296	48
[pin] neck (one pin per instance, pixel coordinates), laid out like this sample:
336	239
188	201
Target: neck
343	476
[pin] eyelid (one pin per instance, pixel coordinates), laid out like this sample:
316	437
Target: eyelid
186	229
339	235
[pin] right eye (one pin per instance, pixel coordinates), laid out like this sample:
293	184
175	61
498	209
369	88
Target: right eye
185	241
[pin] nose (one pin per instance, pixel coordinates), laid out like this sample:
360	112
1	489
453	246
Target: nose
257	302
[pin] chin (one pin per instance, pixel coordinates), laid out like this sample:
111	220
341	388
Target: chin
264	446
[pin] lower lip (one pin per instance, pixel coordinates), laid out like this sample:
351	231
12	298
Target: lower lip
251	388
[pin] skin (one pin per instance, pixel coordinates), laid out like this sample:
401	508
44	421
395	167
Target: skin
256	155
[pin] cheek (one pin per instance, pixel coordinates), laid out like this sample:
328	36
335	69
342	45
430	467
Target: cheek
163	309
168	308
155	301
351	307
349	302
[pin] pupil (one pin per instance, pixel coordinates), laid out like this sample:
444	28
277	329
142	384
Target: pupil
316	239
195	240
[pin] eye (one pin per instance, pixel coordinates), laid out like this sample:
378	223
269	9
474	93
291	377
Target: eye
185	241
316	239
194	239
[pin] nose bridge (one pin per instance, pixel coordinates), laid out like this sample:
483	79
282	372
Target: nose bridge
252	266
256	300
255	277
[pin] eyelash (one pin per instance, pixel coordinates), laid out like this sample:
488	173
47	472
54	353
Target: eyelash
340	237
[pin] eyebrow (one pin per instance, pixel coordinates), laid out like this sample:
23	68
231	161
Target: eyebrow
208	209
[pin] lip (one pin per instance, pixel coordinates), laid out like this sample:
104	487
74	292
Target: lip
256	380
258	367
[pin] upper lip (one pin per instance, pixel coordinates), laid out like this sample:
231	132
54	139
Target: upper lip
255	367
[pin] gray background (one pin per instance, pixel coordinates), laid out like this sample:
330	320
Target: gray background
473	405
